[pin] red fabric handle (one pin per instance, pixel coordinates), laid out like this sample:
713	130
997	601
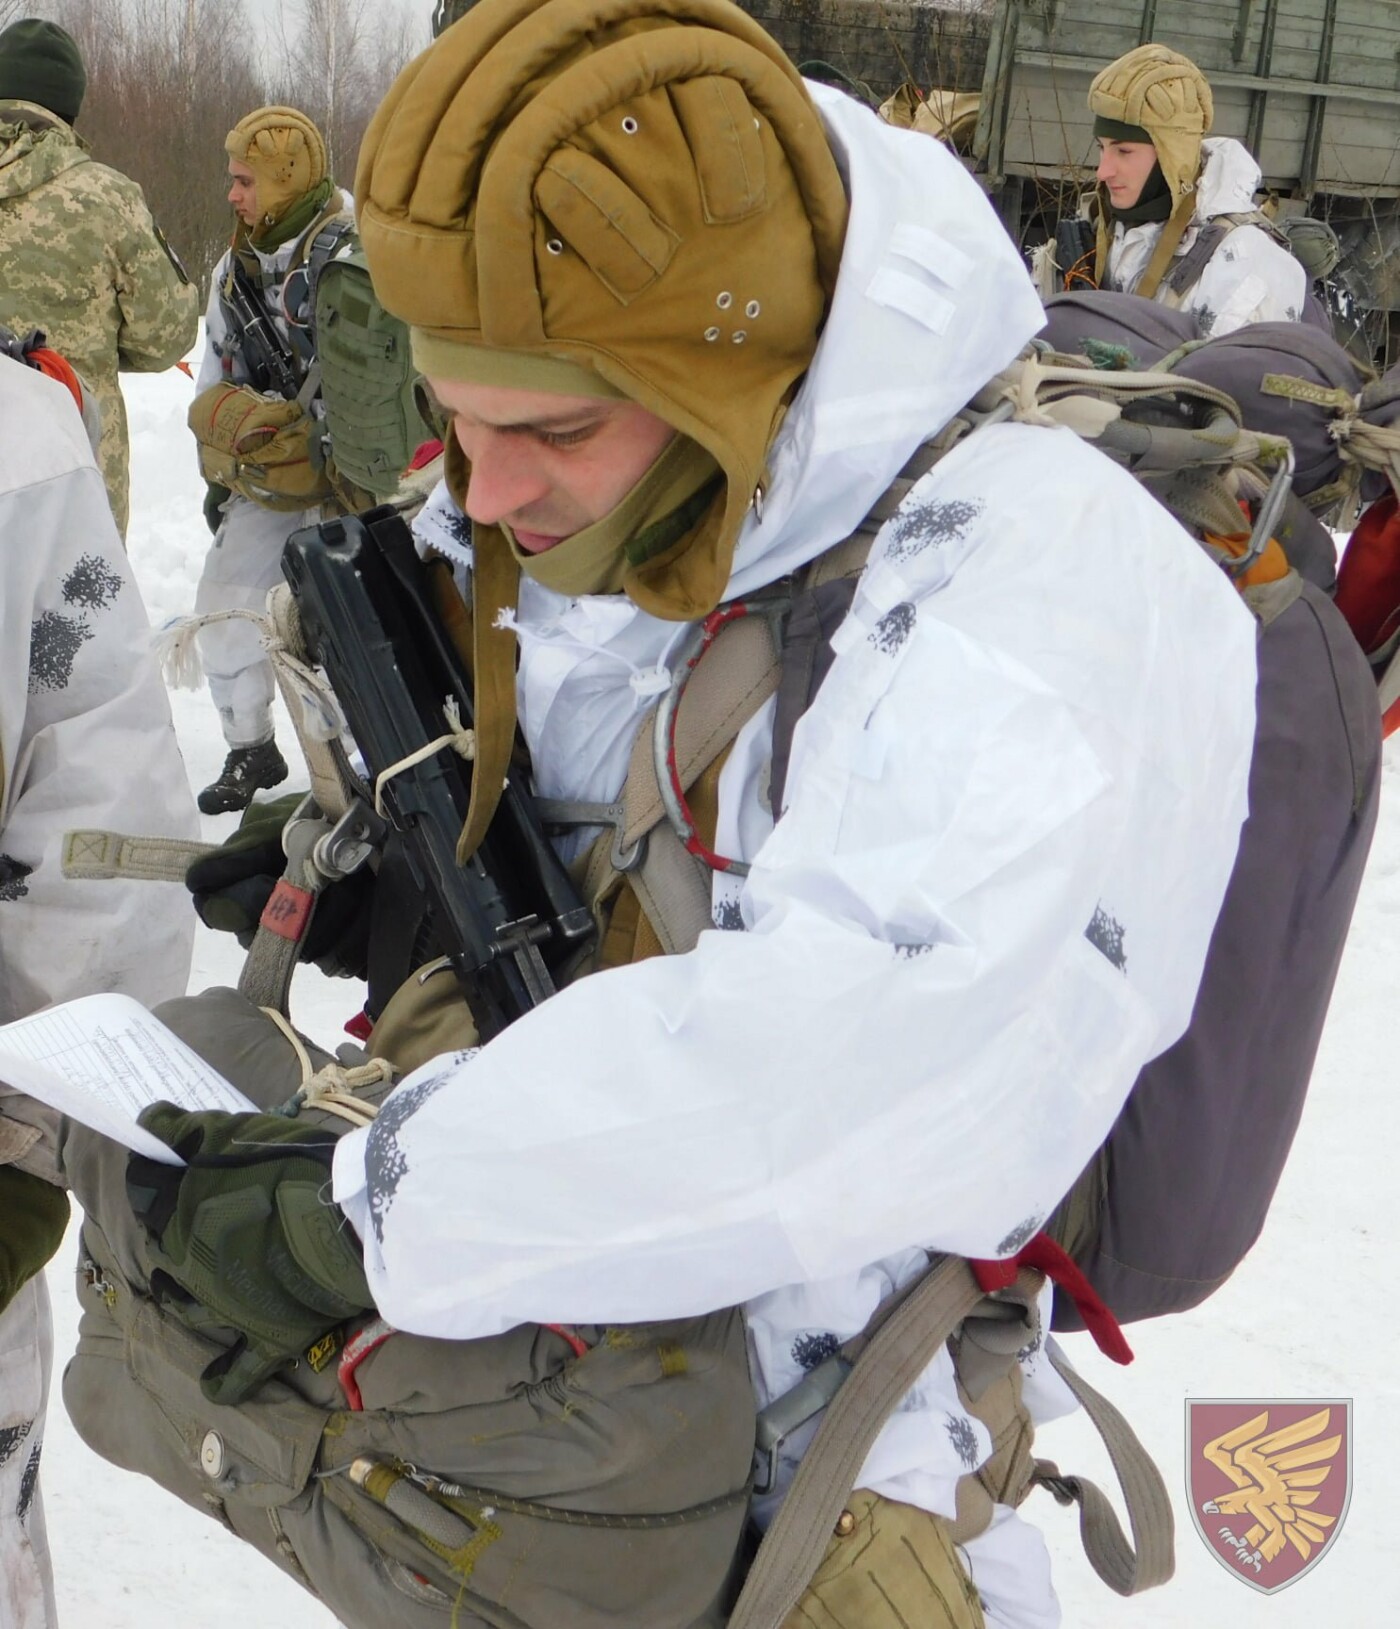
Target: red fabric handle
1044	1255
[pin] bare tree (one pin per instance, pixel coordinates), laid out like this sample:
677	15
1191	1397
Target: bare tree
337	58
166	80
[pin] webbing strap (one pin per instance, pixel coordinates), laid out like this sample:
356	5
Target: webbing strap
671	885
894	1356
1186	273
1149	1560
495	588
310	387
721	697
93	855
1172	234
1294	389
673	888
266	978
333	782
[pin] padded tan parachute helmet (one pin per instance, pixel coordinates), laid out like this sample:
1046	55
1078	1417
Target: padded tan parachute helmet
285	152
639	187
1165	94
1158	95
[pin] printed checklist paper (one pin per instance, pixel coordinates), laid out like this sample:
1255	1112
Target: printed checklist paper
102	1059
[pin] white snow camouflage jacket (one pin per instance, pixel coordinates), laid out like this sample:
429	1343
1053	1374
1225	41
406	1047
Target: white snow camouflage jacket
85	733
1249	278
220	361
1012	812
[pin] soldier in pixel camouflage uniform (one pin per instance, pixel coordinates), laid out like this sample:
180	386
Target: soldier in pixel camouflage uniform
80	256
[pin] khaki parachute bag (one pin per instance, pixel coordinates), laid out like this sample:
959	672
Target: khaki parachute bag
260	446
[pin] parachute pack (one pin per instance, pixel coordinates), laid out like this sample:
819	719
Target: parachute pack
1341	419
1179	1192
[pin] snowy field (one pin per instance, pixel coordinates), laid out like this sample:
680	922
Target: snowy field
1307	1316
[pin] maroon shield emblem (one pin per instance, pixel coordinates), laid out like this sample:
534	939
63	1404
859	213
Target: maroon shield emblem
1269	1483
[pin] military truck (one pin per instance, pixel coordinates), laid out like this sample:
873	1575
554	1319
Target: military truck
1311	87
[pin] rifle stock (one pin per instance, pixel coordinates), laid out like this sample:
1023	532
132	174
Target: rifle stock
511	914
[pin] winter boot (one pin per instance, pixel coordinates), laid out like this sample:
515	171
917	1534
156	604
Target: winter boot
245	771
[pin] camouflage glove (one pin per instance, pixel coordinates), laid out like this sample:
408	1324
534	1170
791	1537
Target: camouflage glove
233	884
243	1230
215	497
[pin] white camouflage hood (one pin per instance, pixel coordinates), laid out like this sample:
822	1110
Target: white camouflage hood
1229	179
932	300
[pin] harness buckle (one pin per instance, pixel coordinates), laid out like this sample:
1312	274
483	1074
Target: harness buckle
790	1412
627	859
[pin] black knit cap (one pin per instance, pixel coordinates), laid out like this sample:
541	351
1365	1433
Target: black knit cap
39	62
1115	130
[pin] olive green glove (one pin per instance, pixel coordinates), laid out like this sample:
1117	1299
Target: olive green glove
33	1215
232	883
244	1230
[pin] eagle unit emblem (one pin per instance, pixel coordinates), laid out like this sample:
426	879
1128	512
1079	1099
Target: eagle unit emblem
1269	1483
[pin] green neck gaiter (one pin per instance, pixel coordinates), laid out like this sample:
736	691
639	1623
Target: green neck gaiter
1154	202
665	504
267	238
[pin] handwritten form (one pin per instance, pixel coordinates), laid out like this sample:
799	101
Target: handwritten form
102	1059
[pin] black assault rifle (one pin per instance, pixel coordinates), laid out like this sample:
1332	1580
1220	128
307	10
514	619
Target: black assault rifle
510	916
269	362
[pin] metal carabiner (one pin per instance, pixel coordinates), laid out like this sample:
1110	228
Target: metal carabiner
1270	509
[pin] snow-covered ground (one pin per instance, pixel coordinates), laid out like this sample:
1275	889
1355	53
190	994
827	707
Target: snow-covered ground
1308	1315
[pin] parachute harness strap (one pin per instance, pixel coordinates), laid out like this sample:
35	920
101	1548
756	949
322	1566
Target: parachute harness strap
178	657
665	759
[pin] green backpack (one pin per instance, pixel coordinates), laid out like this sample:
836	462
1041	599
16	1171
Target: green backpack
367	372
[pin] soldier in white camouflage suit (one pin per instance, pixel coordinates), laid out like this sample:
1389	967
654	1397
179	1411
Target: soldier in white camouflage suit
85	742
80	256
283	196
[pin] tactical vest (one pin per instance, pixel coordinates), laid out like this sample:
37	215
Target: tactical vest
351	356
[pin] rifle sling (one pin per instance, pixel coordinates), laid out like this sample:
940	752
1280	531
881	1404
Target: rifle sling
495	587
